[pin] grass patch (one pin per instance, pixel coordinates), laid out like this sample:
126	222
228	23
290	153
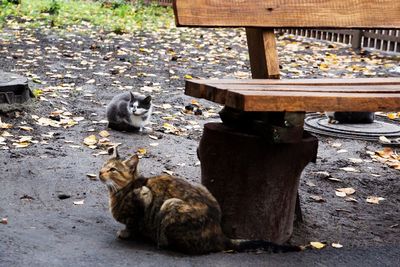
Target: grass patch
117	15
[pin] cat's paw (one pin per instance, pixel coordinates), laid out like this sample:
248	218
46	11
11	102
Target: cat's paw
123	234
145	130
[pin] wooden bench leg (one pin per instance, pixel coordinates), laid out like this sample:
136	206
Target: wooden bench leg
255	182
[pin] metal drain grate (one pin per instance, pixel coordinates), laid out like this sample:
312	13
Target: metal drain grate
318	123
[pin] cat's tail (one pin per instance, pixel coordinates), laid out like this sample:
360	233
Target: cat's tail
239	245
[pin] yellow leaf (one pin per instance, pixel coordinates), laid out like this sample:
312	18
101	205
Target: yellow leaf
385	153
104	134
317	245
392	116
187	76
142	151
91	140
324	66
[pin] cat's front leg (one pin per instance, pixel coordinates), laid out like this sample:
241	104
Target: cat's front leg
124	233
130	230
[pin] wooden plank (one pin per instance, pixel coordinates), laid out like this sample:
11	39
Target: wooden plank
288	13
263	54
218	93
215	90
311	101
308	82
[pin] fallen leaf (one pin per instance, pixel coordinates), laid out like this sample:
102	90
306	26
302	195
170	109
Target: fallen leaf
337	245
317	245
79	202
342	151
349	169
6	134
91	140
187	76
351	199
168	172
384	140
154	144
317	198
153	137
142	151
78	119
91	176
311	184
104	134
340	194
26	128
374	200
323	174
387	152
336	145
334	179
347	190
166	106
21	144
5	125
355	160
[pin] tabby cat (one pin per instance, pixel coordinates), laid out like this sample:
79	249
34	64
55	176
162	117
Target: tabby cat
169	211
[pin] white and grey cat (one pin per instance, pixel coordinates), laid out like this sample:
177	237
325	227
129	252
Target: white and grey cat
129	112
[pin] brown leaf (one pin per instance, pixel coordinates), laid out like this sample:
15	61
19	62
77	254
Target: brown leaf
374	199
317	198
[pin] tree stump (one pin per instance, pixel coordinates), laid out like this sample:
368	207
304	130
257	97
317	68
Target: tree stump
14	89
255	182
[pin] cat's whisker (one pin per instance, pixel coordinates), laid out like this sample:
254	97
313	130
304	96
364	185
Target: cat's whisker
111	186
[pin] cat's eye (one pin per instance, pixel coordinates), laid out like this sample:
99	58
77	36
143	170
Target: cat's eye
113	169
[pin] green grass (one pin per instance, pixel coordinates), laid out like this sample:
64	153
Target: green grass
119	18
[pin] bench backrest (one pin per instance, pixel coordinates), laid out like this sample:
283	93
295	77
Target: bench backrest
288	13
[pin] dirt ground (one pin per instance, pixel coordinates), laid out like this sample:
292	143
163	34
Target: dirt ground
77	74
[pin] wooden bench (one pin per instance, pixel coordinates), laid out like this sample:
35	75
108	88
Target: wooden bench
252	162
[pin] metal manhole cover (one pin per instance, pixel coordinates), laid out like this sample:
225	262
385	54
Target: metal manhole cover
318	123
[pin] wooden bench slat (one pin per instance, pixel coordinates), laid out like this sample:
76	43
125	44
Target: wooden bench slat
301	95
312	101
288	13
323	81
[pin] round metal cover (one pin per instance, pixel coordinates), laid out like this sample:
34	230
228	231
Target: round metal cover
318	123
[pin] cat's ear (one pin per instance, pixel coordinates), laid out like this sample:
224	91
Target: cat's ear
132	163
132	96
113	152
147	99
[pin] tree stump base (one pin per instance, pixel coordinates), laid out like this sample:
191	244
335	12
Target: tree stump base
255	182
14	89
